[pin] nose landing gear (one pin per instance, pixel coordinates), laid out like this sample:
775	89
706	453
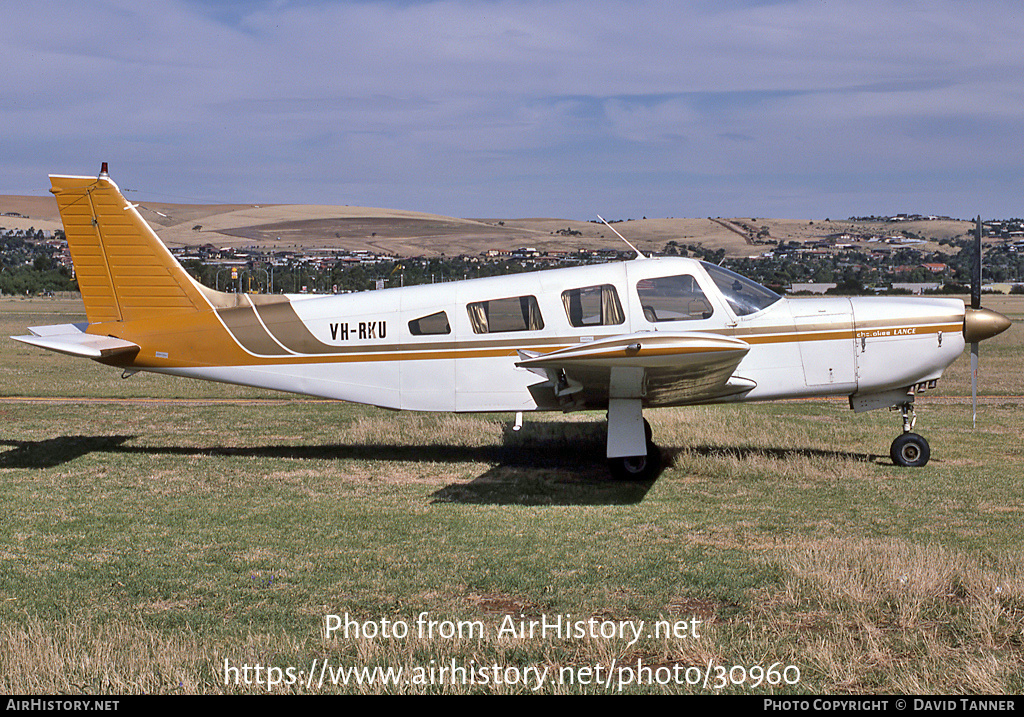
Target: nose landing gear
909	450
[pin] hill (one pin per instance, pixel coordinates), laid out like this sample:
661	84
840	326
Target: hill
406	233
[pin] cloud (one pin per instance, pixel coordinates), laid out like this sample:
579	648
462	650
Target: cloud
513	106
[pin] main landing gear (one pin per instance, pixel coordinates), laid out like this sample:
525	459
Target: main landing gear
638	468
909	450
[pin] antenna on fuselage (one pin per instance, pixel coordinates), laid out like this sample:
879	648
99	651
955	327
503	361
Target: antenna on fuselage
639	254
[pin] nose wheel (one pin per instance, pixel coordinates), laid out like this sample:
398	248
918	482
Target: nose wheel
909	450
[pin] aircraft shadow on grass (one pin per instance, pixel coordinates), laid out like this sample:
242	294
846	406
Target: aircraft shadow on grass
525	472
541	465
53	452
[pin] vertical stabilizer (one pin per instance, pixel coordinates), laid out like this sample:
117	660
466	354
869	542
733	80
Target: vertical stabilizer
124	271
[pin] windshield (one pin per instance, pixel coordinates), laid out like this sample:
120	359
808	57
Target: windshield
743	295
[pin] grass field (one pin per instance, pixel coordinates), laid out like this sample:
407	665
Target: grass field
159	544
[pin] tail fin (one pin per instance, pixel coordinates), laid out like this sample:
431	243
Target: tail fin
123	269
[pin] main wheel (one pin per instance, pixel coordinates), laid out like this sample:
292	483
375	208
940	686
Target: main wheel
910	450
637	468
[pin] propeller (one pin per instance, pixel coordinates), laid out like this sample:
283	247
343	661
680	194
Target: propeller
979	323
975	305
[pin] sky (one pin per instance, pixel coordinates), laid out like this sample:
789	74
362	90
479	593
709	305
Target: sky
520	108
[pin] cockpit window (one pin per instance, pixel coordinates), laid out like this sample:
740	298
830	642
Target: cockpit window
743	295
673	298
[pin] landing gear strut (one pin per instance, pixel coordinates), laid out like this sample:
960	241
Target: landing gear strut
909	450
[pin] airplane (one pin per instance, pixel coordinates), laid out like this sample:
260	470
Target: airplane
619	337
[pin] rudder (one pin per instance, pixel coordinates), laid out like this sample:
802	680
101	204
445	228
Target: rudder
124	271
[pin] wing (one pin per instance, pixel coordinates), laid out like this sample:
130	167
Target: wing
670	368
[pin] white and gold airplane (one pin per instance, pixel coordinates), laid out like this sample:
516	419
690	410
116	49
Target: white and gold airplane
620	337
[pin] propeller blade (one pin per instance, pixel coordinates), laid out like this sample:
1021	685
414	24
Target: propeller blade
974	382
975	304
976	269
979	323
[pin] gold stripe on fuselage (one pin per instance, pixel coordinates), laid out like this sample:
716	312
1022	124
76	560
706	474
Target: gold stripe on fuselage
274	334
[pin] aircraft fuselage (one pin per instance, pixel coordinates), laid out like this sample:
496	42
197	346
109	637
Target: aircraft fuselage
424	348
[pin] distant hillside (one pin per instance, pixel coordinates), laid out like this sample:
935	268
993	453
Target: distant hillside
403	233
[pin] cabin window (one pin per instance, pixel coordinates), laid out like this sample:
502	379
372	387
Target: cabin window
673	298
518	313
431	325
743	295
593	306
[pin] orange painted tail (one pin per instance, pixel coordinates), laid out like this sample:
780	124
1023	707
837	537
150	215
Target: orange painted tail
123	269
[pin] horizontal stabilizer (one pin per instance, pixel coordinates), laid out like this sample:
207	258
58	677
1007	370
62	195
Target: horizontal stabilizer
71	339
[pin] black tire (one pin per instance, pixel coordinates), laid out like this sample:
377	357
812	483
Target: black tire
910	451
637	468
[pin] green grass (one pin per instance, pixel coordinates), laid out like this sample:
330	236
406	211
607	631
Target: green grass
145	543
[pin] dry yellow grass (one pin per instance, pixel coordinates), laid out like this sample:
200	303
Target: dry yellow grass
80	656
919	618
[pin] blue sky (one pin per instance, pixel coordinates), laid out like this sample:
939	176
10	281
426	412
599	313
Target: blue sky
516	108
